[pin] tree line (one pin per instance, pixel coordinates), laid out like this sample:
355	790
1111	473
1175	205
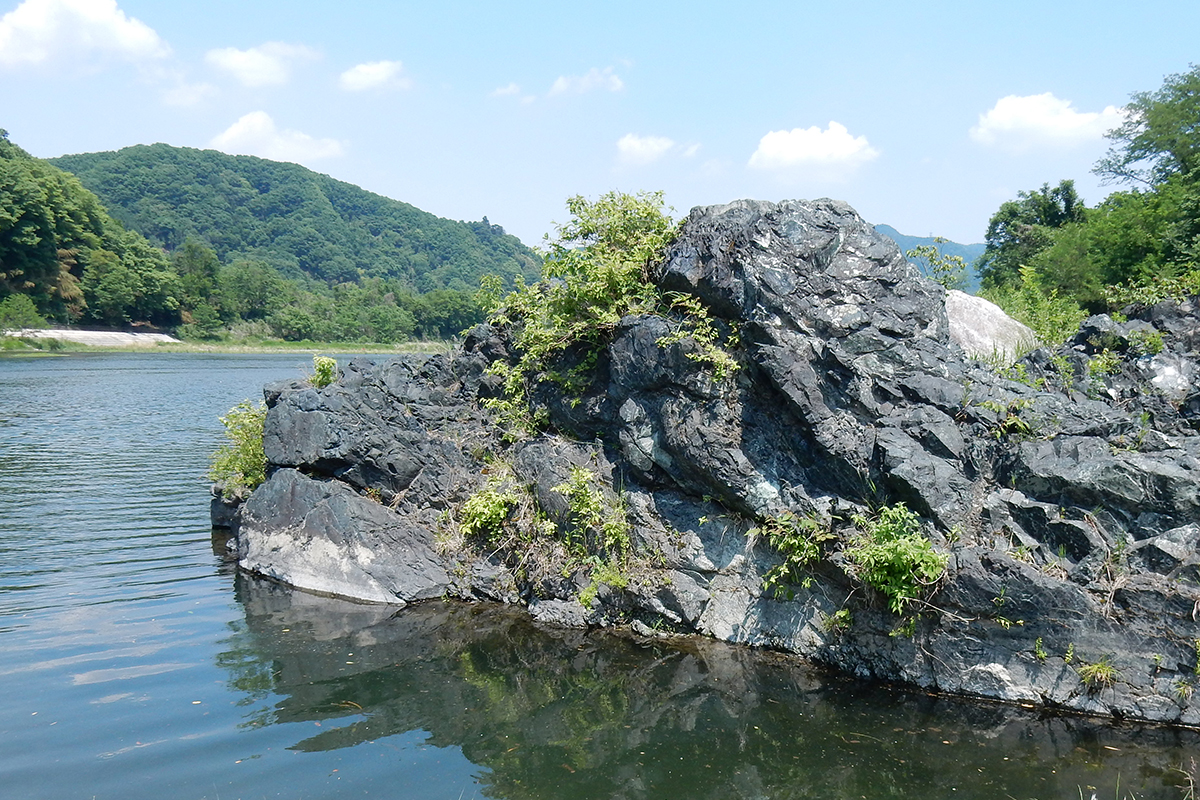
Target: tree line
1050	260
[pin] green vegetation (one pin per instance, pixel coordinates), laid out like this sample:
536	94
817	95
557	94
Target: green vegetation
893	557
969	253
594	521
799	540
1010	421
260	251
1054	318
484	512
17	311
594	539
596	271
239	465
325	371
889	554
301	224
60	247
1098	674
1050	260
839	621
599	528
947	269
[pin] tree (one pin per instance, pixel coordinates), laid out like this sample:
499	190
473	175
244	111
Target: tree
1022	228
949	271
18	311
110	287
27	248
197	266
1160	136
250	289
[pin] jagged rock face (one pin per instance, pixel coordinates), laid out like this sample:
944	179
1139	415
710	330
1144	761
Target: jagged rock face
1071	523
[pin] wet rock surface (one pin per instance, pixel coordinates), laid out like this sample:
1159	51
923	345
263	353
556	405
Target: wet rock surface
1065	495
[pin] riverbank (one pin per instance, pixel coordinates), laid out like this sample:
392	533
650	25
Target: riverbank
34	341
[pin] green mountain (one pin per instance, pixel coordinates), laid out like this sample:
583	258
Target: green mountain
61	251
969	252
300	222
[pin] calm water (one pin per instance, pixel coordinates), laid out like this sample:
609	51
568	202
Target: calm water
137	664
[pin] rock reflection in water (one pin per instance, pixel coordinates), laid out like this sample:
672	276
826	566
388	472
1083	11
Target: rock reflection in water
569	713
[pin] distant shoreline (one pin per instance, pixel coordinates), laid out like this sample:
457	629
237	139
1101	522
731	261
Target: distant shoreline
77	341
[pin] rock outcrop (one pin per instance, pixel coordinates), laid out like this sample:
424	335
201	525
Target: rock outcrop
1065	495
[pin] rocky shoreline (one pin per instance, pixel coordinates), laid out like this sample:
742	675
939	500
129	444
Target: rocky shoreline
1064	495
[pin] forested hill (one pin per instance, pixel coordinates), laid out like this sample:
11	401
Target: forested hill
294	219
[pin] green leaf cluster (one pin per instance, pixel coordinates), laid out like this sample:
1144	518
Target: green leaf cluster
325	371
594	520
947	269
893	557
484	512
240	465
799	540
596	271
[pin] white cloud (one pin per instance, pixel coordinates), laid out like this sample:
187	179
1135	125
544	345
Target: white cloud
38	31
800	147
374	75
256	134
185	95
604	79
512	90
1021	123
268	64
641	150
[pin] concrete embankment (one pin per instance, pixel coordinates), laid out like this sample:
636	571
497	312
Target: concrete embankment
95	338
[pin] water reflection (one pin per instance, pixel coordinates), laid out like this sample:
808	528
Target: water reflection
562	713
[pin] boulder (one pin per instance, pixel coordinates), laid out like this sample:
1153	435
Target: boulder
983	330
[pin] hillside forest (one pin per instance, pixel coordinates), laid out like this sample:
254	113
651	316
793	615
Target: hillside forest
213	245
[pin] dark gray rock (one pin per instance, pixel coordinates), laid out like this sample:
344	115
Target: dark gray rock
1067	502
320	535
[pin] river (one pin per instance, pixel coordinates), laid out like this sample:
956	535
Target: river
138	663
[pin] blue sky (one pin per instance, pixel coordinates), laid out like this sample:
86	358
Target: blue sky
922	115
